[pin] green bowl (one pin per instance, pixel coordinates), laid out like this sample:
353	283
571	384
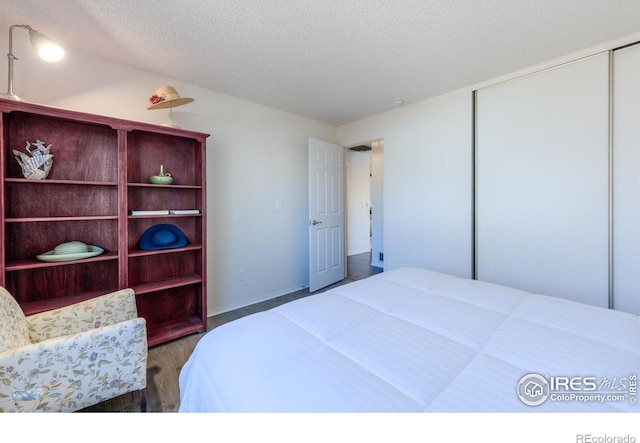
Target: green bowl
161	179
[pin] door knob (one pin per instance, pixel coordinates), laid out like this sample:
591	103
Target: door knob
315	222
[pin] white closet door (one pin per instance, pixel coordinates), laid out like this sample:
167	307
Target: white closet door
626	179
542	182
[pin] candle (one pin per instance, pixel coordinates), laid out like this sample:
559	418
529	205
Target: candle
161	169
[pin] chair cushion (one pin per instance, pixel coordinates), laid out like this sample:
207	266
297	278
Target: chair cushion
97	312
14	330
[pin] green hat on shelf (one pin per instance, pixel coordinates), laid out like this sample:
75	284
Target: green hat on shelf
73	250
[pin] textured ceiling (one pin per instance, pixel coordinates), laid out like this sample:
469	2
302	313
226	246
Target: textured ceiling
335	61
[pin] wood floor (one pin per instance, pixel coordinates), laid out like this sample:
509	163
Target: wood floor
165	361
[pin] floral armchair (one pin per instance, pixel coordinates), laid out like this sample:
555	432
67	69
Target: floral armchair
73	357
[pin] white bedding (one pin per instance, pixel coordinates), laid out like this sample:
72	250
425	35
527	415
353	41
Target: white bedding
414	340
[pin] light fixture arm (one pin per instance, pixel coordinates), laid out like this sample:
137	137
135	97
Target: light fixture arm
11	58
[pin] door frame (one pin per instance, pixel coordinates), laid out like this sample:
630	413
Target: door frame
377	234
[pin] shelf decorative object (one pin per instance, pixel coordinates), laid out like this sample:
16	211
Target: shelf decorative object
73	250
162	178
167	97
37	164
162	236
137	212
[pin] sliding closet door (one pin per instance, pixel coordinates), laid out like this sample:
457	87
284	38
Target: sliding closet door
626	179
542	182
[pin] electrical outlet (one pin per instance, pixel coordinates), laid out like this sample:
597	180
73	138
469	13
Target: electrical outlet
242	275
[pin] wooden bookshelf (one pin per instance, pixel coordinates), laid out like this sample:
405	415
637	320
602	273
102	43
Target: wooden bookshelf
100	172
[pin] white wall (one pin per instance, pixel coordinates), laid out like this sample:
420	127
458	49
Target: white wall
427	181
358	201
255	156
428	160
258	155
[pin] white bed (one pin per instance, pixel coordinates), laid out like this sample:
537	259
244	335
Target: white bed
415	340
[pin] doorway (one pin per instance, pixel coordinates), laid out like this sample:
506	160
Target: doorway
364	204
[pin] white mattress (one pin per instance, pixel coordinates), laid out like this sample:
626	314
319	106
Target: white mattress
413	340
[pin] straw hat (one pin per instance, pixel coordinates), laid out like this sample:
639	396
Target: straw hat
73	250
167	97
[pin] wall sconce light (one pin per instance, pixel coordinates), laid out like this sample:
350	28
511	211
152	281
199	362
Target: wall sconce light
47	50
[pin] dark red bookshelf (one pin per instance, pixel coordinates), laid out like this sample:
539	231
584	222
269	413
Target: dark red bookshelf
100	172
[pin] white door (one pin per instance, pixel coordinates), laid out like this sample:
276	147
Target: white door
326	215
542	182
626	180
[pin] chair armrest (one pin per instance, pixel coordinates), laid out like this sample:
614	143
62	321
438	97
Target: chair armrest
75	371
100	311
